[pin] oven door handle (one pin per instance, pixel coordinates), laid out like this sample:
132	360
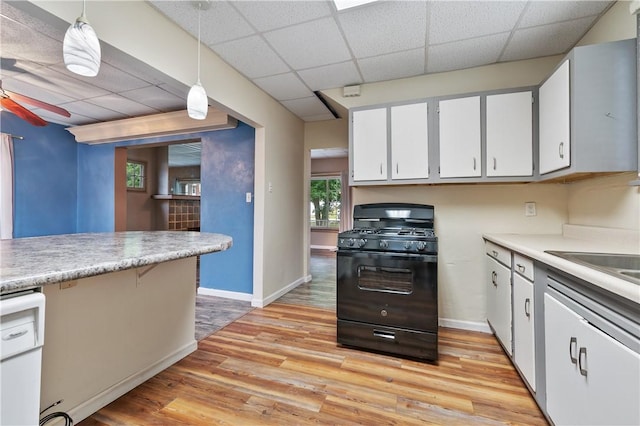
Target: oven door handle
389	335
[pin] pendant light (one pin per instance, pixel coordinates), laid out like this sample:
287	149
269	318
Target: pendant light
197	102
81	47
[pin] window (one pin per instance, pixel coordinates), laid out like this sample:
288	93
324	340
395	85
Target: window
136	177
325	202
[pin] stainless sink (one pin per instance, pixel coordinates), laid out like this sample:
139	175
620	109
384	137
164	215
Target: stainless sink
624	266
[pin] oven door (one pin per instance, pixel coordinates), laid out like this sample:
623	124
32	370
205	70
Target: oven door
390	289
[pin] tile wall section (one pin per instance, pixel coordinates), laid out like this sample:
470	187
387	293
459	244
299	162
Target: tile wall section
184	214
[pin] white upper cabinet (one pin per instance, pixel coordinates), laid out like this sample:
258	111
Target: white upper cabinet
369	140
555	141
410	141
510	134
460	137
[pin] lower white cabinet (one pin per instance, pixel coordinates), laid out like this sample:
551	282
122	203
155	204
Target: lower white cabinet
591	378
499	300
523	329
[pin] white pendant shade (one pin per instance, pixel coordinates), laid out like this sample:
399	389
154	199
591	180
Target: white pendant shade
81	49
197	102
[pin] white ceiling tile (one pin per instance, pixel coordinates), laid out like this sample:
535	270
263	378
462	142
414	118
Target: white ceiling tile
283	86
459	20
28	89
310	45
331	76
157	98
466	53
545	40
269	15
20	41
220	23
393	65
121	104
74	120
252	56
547	12
93	111
385	27
306	107
108	78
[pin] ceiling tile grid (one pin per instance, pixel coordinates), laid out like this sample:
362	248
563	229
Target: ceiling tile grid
292	48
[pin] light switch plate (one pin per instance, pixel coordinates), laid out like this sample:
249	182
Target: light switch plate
248	197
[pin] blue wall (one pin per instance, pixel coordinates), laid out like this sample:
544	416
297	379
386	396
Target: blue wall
45	178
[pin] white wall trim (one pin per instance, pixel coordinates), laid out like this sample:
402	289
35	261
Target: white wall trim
87	408
261	303
481	326
332	248
235	295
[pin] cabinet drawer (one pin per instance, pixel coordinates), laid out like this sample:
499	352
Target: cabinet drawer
523	266
501	254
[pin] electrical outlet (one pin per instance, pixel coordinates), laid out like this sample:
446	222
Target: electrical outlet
530	208
248	197
270	187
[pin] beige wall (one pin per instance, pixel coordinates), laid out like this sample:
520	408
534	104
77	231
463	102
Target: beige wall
465	212
278	226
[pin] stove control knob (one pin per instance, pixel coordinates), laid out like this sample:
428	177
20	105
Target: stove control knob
384	244
407	245
421	245
351	242
362	242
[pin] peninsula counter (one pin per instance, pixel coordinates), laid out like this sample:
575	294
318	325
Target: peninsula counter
120	308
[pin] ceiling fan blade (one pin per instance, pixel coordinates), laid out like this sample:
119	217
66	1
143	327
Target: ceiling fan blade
22	112
40	104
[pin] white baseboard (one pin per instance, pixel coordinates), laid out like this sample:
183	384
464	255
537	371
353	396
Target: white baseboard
261	303
87	408
235	295
330	248
465	325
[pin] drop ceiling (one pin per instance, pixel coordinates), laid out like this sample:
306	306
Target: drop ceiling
291	49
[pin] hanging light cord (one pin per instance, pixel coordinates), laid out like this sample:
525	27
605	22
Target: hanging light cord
199	13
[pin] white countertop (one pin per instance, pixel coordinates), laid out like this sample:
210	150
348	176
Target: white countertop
580	239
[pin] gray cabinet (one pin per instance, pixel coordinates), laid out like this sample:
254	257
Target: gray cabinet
588	112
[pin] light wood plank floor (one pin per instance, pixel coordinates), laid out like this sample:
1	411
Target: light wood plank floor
281	365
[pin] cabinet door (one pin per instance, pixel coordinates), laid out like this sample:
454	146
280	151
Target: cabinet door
554	115
409	142
523	332
510	134
460	141
369	144
499	301
591	378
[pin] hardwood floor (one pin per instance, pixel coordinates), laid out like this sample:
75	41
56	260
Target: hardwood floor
281	366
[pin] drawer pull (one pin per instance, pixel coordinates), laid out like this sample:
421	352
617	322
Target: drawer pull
521	268
583	351
527	307
15	334
494	278
385	334
494	253
573	344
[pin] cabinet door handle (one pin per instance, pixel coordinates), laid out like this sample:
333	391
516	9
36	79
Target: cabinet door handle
561	149
474	163
397	171
583	351
381	168
521	267
573	344
494	278
527	307
495	163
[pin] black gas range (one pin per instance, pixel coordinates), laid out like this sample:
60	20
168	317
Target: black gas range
387	297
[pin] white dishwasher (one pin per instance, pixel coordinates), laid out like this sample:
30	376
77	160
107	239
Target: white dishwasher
22	331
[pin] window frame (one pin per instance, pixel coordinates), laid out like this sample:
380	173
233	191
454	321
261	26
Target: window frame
326	178
143	188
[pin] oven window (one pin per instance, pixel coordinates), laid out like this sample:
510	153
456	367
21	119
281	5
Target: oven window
390	280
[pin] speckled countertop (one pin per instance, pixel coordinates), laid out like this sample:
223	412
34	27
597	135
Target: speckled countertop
27	263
